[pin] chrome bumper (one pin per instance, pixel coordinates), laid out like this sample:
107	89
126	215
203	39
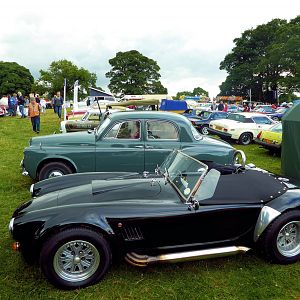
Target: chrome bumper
24	172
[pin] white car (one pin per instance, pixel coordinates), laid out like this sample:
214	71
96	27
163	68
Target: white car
242	127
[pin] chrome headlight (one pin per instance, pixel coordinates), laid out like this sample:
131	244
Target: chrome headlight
11	225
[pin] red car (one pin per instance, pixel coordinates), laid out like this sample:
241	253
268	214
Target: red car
2	111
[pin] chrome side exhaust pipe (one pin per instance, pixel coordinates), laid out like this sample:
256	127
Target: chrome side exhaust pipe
145	260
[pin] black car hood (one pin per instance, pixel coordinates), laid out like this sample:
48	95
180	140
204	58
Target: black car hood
112	191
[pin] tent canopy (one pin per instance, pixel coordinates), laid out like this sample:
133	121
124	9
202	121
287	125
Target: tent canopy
290	147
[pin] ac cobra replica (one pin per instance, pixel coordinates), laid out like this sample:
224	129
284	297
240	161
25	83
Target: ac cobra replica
77	224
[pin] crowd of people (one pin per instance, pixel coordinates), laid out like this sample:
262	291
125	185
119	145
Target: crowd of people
31	106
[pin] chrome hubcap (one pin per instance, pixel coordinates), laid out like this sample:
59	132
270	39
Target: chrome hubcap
55	173
288	239
76	261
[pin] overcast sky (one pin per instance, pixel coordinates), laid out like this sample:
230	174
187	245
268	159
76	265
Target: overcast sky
188	39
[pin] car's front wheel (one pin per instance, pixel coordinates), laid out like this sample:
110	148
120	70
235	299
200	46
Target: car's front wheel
54	169
281	241
245	138
75	258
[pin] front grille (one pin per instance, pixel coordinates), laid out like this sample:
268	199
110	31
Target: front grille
132	233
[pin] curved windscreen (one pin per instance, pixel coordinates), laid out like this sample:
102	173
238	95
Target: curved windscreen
184	173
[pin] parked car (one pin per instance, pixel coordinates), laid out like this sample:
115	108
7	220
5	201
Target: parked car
271	138
192	113
125	141
264	109
90	120
242	127
278	114
205	117
3	111
76	225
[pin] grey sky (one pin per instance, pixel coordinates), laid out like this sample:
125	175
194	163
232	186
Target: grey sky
188	39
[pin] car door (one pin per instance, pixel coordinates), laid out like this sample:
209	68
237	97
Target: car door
220	223
162	223
262	123
121	148
161	137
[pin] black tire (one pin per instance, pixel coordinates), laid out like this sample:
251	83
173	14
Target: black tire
58	256
204	130
275	118
280	242
245	138
54	168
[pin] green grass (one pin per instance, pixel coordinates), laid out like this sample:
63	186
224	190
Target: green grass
237	277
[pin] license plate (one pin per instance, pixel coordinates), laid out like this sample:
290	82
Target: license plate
219	128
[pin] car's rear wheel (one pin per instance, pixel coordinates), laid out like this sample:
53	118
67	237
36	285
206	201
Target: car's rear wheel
54	169
245	138
204	130
281	241
275	118
75	258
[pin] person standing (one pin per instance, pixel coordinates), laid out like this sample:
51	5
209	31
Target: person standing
14	104
54	103
221	106
225	107
58	103
21	103
34	109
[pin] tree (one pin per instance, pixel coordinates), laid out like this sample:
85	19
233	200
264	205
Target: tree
197	91
134	73
14	78
265	60
52	80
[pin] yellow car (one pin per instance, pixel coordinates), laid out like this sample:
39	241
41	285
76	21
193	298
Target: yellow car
271	138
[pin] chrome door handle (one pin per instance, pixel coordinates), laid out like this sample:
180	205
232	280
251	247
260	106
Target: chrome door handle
149	147
139	147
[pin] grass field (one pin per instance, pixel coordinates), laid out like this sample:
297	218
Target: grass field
238	277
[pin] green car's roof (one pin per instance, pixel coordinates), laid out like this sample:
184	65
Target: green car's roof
149	115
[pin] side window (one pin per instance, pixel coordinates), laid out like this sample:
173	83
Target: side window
125	130
262	120
161	130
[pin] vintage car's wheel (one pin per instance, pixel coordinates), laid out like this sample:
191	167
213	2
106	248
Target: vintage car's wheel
54	169
281	241
245	138
204	130
275	118
75	257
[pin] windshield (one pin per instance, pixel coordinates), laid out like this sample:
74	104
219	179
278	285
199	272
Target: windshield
184	172
276	128
103	125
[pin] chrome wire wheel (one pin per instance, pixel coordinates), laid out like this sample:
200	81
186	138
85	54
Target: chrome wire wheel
76	261
288	239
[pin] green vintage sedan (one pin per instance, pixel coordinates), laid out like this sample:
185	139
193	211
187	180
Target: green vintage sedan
125	141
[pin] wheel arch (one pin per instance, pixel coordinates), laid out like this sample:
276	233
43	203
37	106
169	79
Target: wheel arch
45	235
64	160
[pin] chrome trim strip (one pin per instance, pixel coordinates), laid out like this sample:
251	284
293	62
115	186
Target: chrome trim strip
31	189
266	216
144	260
11	225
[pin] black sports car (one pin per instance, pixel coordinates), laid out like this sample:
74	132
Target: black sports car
76	224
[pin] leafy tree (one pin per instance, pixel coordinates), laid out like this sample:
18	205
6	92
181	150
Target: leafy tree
52	80
14	78
264	59
134	73
197	91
